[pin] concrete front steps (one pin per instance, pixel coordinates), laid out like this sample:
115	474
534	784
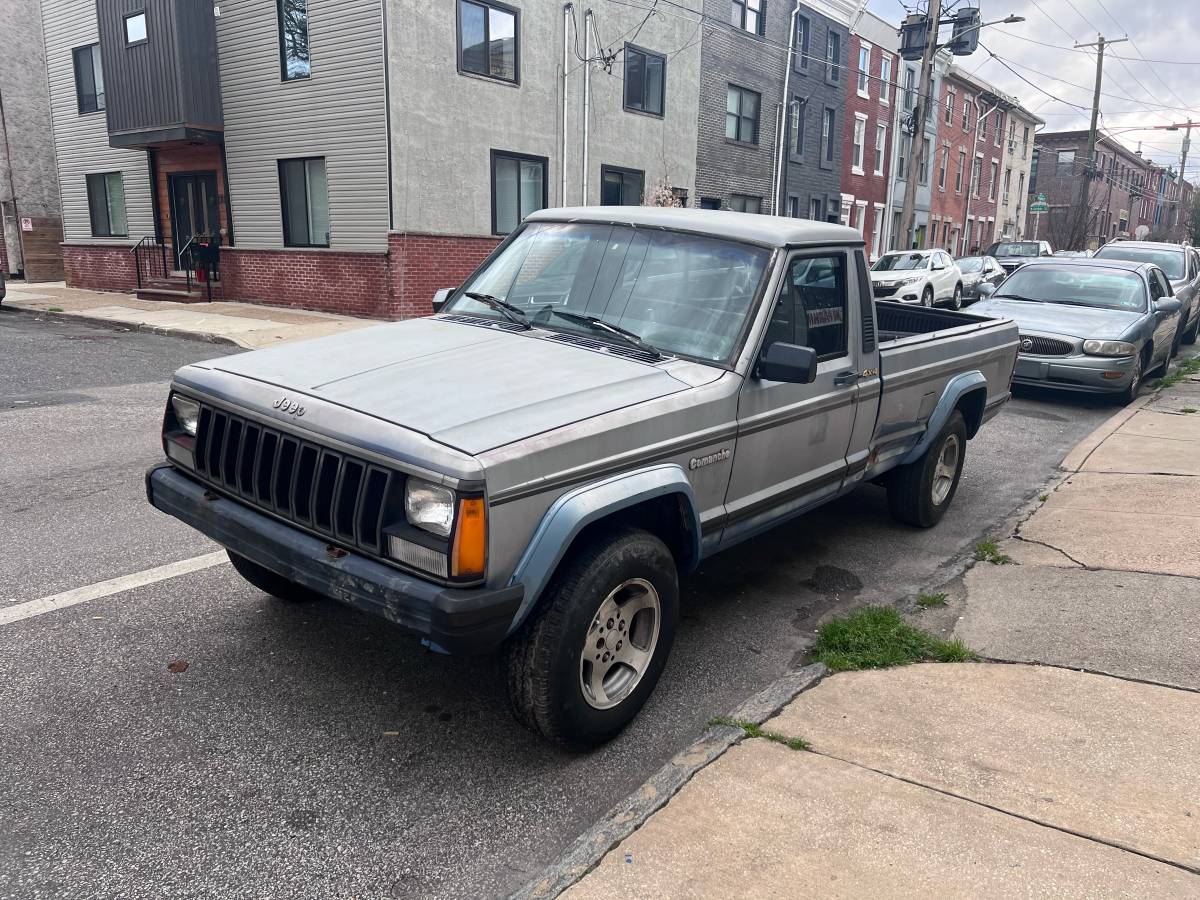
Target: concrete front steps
175	288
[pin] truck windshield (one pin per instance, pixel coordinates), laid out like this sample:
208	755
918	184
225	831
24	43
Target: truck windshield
682	293
1076	285
899	262
1021	248
1170	260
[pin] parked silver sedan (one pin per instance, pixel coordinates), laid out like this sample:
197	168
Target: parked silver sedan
1095	325
1180	264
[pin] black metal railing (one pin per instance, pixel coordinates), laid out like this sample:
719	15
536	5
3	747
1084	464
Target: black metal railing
150	260
200	260
320	489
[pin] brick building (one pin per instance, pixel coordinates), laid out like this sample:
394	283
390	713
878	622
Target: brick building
870	123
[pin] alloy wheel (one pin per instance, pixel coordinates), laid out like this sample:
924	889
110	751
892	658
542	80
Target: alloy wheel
620	643
947	468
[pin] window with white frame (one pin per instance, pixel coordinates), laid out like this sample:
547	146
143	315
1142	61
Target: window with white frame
859	143
910	80
827	134
885	79
833	56
999	126
976	175
860	215
923	163
847	205
864	70
814	209
949	106
942	168
747	15
958	176
992	182
966	113
902	156
877	231
880	147
1007	182
803	30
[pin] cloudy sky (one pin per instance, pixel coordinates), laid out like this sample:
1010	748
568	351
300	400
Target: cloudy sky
1135	92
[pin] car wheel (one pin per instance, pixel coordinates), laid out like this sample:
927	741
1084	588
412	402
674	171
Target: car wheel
1134	387
1174	346
581	669
271	583
956	301
927	297
920	492
1189	336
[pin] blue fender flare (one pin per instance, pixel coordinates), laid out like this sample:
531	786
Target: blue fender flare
957	388
578	508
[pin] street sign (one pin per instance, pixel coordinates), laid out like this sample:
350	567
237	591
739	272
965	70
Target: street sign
26	223
1038	206
1041	198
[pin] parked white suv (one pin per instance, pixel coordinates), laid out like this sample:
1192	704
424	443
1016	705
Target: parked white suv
927	277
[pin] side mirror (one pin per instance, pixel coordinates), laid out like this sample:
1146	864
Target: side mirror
1168	305
440	298
788	363
986	289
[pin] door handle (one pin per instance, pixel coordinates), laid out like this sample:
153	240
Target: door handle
841	379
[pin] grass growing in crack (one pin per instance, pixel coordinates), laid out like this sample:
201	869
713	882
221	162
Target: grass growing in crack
1182	371
926	601
757	731
53	309
1043	497
989	551
878	638
1188	410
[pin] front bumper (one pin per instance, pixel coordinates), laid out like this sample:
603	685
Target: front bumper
1075	373
470	620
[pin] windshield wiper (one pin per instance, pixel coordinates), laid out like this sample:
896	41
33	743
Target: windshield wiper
506	309
1016	297
598	324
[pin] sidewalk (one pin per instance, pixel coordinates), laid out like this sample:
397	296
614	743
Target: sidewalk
1066	765
242	324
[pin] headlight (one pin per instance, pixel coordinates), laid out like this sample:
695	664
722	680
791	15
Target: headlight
1109	348
187	413
429	506
909	280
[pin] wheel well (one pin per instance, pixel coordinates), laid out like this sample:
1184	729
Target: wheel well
971	406
669	518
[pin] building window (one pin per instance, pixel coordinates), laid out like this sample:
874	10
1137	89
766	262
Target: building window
1065	164
1025	144
860	213
902	157
994	179
923	163
803	30
859	143
910	79
135	28
796	136
741	115
793	206
106	204
880	148
1007	183
833	56
876	232
976	175
89	79
864	71
621	187
304	195
487	40
745	203
998	127
747	15
645	80
966	117
958	176
942	168
885	79
814	209
827	133
949	106
983	129
293	39
710	203
518	188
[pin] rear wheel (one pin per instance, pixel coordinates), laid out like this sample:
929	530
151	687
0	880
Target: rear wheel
927	297
581	669
920	492
269	582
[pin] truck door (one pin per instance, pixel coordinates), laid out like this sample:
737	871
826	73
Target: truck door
793	438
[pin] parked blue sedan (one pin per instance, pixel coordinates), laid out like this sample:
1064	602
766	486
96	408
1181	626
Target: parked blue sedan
1088	324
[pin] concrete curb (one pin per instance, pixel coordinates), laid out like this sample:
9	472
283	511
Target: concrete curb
630	814
1075	460
206	337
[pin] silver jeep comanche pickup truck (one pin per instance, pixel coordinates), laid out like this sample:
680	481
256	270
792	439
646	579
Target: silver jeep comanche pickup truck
615	394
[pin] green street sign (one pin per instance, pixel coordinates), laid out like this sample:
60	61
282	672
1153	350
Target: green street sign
1038	206
1041	198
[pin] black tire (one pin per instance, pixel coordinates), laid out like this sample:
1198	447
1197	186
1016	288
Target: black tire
1134	387
912	497
268	582
927	297
543	661
1189	336
956	302
1174	346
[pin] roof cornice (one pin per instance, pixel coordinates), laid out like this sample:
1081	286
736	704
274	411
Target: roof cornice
841	11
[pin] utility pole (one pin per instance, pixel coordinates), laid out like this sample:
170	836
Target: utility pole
920	112
1085	182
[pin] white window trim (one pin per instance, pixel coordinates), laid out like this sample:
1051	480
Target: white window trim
877	232
860	168
863	76
861	215
880	148
951	96
885	87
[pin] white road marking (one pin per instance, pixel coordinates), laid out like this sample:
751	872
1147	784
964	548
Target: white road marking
31	608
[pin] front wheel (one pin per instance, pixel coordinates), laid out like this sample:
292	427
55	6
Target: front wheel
270	583
927	297
920	492
1189	336
1134	387
957	300
581	669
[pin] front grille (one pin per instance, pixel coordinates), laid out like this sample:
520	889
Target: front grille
1044	346
322	490
881	291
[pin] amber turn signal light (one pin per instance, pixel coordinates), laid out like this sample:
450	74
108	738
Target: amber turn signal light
468	557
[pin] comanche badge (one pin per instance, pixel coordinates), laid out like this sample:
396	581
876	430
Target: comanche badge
699	462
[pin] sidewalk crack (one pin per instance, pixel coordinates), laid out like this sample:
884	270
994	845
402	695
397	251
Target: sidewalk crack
1116	845
1019	537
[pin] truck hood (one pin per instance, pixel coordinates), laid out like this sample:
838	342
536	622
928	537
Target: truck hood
1073	321
470	387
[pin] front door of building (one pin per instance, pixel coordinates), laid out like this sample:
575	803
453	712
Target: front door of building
193	209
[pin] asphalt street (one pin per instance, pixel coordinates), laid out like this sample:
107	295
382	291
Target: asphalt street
311	751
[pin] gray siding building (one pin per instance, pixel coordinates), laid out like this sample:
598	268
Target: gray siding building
742	103
30	214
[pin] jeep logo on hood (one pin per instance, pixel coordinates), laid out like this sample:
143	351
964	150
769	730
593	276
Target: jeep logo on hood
291	407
